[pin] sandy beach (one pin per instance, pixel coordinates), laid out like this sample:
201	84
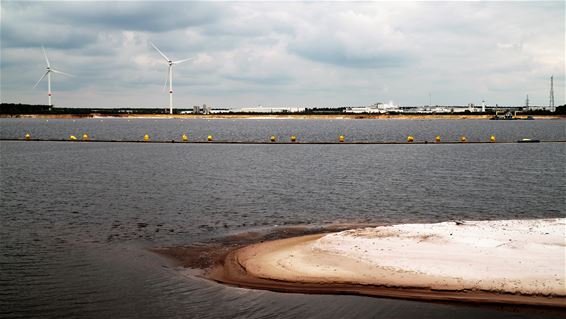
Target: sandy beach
508	262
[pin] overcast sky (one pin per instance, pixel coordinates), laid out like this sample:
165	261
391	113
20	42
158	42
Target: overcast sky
284	53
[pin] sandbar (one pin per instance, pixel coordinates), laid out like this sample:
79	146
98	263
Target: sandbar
503	262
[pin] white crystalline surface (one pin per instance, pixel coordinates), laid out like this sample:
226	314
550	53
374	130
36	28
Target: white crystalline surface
516	256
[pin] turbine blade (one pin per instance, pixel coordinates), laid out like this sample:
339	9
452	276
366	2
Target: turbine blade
162	54
36	83
181	61
63	73
45	55
167	79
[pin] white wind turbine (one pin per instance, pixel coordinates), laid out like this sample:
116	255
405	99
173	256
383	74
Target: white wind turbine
170	75
48	73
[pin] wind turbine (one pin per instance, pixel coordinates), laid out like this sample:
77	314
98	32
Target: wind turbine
169	75
48	73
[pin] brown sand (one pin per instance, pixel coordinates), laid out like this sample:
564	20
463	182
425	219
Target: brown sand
260	266
209	254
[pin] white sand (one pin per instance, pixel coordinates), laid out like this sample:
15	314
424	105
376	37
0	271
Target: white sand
512	256
517	256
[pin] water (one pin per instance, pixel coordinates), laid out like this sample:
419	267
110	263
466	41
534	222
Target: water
76	218
262	129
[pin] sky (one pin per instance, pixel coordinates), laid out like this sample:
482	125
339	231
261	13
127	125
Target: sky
307	54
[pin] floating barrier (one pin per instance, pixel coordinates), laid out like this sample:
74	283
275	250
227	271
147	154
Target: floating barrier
410	139
273	138
341	139
184	138
146	138
526	140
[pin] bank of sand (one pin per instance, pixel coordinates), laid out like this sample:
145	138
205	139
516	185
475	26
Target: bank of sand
511	262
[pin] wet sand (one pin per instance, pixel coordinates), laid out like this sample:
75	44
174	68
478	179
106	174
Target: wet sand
298	265
207	255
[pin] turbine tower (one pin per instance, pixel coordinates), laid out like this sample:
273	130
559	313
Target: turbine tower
48	73
551	103
169	75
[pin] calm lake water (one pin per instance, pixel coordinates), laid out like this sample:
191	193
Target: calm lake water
76	218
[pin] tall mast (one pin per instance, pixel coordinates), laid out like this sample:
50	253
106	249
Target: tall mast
551	103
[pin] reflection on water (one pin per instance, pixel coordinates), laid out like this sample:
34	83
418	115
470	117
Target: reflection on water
76	218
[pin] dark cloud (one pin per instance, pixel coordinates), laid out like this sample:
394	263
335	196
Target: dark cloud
274	79
339	56
146	16
308	53
26	35
76	24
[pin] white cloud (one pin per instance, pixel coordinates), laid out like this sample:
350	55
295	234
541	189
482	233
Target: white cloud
285	53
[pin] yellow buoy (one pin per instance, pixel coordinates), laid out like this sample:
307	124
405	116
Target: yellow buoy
341	138
146	137
27	136
73	138
85	137
209	138
463	139
273	138
410	138
492	139
437	139
293	138
184	138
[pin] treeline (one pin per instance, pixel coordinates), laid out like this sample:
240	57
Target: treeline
325	110
13	108
18	108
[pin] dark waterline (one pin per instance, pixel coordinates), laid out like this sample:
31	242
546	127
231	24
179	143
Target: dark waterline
76	218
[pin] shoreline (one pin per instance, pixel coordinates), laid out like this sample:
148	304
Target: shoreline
290	265
231	272
279	116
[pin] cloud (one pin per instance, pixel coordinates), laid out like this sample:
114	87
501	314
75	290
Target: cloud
354	38
297	53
